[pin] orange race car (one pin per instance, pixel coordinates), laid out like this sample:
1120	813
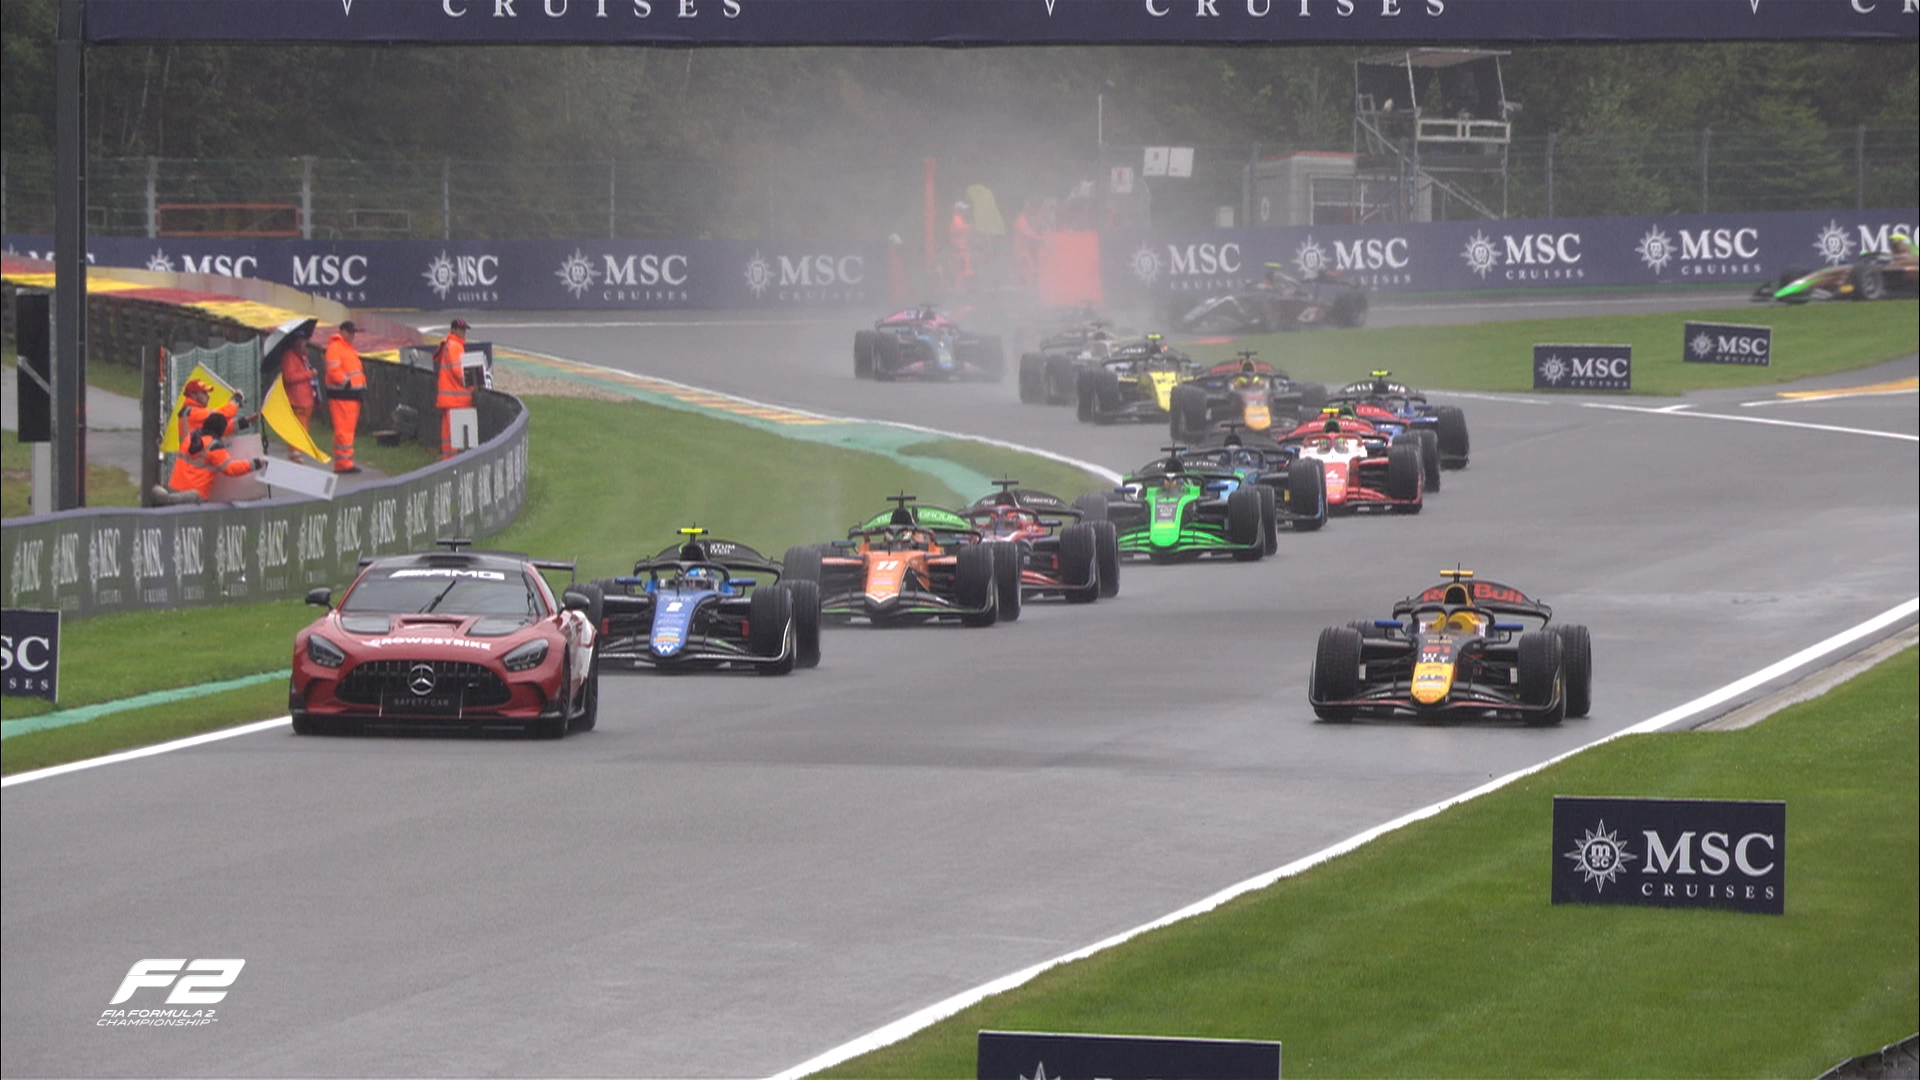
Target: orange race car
910	565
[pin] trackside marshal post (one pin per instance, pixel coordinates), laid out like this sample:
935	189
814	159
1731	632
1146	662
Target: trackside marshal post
30	653
1029	1055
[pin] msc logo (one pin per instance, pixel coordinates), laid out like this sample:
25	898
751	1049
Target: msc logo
448	272
1582	367
324	270
224	265
1371	254
1551	251
636	270
1204	259
187	989
806	272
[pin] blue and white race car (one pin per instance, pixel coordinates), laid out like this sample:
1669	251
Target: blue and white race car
691	607
1393	408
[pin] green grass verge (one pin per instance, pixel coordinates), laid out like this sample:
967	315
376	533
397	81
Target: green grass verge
608	483
1814	339
368	454
995	462
1435	952
106	485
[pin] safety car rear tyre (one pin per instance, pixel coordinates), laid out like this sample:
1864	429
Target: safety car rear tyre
1542	674
806	621
1336	671
1033	379
1576	650
1106	551
1244	527
974	585
1007	558
1080	561
770	630
1307	494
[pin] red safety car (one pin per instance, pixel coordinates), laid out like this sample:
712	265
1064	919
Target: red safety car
466	640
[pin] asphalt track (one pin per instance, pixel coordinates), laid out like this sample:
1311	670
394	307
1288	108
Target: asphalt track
732	875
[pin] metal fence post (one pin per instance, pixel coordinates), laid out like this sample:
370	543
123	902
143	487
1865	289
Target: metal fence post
306	197
1552	138
1706	141
446	198
1860	167
153	196
613	168
3	190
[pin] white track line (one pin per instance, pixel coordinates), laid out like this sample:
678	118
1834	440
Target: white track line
144	751
914	1022
1837	396
1673	411
1688	301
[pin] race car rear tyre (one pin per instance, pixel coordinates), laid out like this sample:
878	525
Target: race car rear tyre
1868	283
1270	517
1244	528
1542	675
1366	629
1092	506
863	353
770	629
1450	424
596	602
1404	470
1187	412
1057	380
1576	649
1349	310
1084	395
589	699
1307	494
1106	551
1007	558
1080	561
886	357
1033	379
1313	396
1106	391
801	563
1336	671
974	585
806	621
1429	456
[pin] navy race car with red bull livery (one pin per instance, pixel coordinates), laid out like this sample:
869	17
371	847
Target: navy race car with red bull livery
1462	648
455	639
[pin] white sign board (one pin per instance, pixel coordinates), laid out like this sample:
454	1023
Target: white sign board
1156	163
464	427
1121	181
1180	161
304	479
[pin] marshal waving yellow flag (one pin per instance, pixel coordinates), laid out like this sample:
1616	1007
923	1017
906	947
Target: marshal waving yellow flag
277	411
219	394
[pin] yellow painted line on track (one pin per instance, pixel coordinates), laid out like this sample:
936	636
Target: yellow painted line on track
1895	387
705	399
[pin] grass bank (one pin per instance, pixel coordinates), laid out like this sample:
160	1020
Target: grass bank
1813	339
1435	952
608	482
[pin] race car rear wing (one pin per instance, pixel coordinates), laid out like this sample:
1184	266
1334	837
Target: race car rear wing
1483	594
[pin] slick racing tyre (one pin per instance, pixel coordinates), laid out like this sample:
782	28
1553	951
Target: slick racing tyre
863	353
806	621
1080	562
974	585
1244	526
1404	469
1336	671
1033	379
771	632
1106	551
1307	494
1450	424
1576	649
1007	558
1541	676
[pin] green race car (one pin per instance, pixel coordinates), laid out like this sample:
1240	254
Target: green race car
1173	510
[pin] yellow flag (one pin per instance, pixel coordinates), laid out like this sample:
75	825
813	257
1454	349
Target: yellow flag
220	395
277	411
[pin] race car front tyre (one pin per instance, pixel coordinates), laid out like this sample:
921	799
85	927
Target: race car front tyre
589	713
1404	470
801	563
863	353
806	621
1868	282
1106	552
1033	379
1336	671
770	629
974	585
886	357
1450	424
1542	675
1007	558
1270	517
1576	649
1080	562
1092	506
1084	395
1187	412
1244	528
1307	494
1429	456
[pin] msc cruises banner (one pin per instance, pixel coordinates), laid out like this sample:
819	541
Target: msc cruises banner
1460	256
990	22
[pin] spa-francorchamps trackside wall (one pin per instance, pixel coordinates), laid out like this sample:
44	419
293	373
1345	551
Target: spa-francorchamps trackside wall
94	561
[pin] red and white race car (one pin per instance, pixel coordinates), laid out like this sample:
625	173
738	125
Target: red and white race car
1060	555
1363	469
467	640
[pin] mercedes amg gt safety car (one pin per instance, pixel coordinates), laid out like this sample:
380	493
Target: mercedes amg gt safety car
1464	647
1248	392
1364	469
694	607
455	639
1875	275
1281	302
911	565
1390	405
924	343
1134	382
1049	374
1173	511
1059	554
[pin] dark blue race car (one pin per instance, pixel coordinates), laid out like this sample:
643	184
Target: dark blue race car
693	607
1392	408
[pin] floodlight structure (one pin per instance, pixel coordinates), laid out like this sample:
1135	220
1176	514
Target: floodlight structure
1431	120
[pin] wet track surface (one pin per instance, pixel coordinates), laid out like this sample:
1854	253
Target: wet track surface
733	874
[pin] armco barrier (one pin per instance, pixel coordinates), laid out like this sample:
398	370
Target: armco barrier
94	561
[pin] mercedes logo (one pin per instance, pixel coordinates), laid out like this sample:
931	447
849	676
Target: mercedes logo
420	679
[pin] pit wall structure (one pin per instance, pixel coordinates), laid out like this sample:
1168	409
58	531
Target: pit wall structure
1160	266
95	561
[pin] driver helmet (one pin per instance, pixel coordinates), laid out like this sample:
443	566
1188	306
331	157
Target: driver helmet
1900	244
700	577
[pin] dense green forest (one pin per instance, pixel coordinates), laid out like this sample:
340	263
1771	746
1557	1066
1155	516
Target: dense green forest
795	139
